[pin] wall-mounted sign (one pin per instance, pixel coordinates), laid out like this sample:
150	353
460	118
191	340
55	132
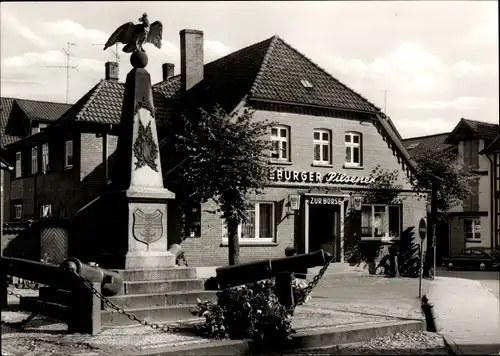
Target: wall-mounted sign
357	203
294	200
289	176
325	200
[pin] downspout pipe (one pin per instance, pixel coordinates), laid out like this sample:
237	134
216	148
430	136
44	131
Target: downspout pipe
492	200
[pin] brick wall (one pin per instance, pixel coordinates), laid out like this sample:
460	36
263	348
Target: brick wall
209	248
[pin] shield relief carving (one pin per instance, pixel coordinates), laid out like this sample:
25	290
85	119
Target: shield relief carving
147	227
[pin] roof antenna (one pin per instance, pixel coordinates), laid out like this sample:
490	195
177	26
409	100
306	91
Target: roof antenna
116	52
67	53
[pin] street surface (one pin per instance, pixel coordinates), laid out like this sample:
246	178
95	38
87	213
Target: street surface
488	279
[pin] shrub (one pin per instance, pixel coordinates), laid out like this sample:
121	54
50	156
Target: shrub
250	311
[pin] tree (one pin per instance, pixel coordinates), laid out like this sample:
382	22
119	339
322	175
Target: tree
448	179
220	157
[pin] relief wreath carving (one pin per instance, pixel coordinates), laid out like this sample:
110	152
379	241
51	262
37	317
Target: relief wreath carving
145	148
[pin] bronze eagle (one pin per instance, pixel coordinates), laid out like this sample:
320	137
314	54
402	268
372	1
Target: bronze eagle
134	36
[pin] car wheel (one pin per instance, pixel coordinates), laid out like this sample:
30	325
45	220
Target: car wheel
482	266
450	266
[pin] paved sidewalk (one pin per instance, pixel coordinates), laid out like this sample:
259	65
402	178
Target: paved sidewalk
467	314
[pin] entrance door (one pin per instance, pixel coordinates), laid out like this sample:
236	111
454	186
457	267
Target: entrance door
324	229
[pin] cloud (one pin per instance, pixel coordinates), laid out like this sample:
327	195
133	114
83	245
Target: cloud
75	31
10	21
461	103
33	58
216	48
464	69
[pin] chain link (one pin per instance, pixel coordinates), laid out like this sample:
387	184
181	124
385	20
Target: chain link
311	285
182	258
119	310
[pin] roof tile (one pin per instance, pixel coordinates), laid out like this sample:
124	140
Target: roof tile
419	147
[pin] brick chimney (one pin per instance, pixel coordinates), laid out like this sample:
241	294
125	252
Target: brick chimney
111	71
168	70
191	58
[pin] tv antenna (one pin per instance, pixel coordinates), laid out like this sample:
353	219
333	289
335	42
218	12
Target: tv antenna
385	101
67	53
115	51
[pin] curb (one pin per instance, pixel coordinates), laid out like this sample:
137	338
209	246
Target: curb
304	339
453	348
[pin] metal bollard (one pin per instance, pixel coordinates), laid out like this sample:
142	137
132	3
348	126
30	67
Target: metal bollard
430	317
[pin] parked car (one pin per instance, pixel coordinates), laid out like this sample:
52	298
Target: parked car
474	257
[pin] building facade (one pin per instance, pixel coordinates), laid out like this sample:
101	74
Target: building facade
327	142
471	222
492	153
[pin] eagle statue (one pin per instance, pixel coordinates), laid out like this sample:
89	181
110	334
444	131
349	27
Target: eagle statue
134	36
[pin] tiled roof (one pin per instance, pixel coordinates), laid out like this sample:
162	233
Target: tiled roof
419	147
273	70
103	104
492	147
32	110
42	110
484	130
469	129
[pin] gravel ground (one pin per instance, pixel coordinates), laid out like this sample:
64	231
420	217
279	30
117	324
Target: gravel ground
406	343
41	337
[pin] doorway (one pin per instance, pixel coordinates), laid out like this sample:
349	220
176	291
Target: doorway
324	229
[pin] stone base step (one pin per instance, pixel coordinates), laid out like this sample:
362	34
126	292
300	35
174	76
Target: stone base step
153	274
161	286
173	313
162	299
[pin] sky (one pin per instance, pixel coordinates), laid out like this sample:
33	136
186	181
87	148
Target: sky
425	63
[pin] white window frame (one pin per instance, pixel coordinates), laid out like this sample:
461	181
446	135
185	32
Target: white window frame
19	164
474	224
18	211
278	138
34	160
45	158
49	209
67	163
257	239
321	144
387	224
352	146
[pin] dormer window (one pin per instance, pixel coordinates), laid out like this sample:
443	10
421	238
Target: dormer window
19	165
68	154
34	160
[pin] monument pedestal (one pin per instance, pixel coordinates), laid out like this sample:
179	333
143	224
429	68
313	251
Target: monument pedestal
132	216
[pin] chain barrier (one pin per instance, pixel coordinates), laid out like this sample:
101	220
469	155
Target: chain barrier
21	324
119	310
311	285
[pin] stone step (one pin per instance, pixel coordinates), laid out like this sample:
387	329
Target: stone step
48	309
156	315
161	286
161	299
153	274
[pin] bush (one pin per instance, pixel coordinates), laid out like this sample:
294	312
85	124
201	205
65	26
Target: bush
250	311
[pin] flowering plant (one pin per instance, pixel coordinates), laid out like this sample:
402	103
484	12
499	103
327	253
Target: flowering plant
249	311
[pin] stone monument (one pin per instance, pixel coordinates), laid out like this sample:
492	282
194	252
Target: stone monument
131	218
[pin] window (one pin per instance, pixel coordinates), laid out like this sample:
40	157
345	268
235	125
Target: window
306	83
192	220
45	211
260	225
18	211
471	153
473	229
280	143
380	222
34	160
19	165
478	253
352	149
466	252
45	157
321	139
68	154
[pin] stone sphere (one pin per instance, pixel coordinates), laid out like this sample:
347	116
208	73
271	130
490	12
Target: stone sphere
139	59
